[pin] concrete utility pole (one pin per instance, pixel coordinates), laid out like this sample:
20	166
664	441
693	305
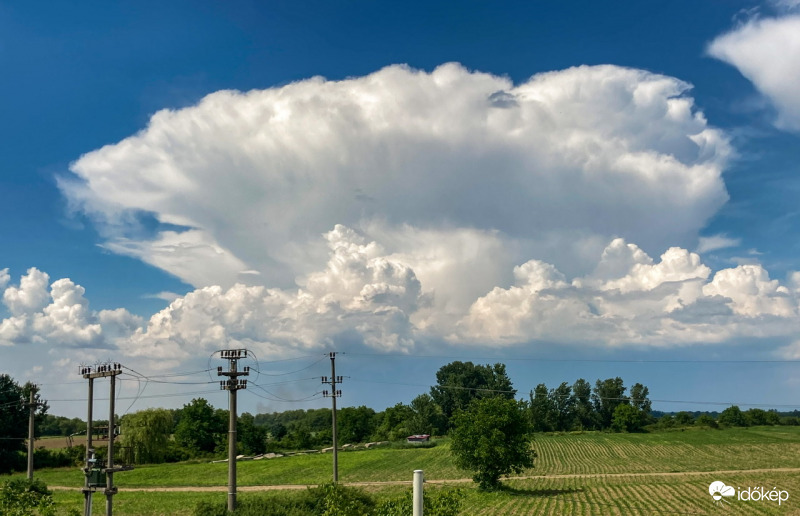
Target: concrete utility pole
32	406
110	489
333	395
232	384
417	497
93	478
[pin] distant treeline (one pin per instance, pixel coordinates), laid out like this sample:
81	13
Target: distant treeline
200	430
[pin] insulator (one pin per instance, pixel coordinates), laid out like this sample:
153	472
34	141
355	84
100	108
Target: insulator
339	379
247	369
219	370
324	379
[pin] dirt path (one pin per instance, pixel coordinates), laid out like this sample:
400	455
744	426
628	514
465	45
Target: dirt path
445	481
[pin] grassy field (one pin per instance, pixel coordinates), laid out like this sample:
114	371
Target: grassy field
589	473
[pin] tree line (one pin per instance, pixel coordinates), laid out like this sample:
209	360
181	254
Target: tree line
200	430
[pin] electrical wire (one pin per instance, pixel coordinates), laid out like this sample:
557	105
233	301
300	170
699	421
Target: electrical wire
295	371
311	397
590	360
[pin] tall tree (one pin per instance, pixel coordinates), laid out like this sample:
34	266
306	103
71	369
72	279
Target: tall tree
641	402
199	427
355	424
492	438
607	396
146	434
582	404
428	417
458	383
252	438
562	403
542	409
14	421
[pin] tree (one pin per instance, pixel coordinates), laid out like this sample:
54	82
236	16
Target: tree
252	438
492	438
683	418
458	383
542	409
640	401
199	426
427	417
626	418
394	422
147	434
582	404
14	422
355	424
607	396
562	403
732	416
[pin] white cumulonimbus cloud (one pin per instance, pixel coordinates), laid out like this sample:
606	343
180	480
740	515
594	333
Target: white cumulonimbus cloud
767	52
454	207
240	186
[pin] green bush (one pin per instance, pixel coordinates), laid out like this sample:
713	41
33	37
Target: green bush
44	458
325	500
335	500
441	503
23	497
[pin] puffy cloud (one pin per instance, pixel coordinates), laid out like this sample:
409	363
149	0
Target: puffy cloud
361	294
59	315
367	295
629	299
751	292
767	52
246	182
31	295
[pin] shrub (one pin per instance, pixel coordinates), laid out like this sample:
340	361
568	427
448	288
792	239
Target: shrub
441	503
23	497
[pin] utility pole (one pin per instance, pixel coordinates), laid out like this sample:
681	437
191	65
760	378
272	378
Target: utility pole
94	475
33	404
333	395
232	384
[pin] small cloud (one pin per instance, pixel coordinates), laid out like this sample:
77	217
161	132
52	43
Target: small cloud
754	252
169	297
249	272
716	242
786	5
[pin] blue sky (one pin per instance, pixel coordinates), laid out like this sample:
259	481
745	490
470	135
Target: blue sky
576	189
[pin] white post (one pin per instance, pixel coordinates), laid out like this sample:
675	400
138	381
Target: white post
419	478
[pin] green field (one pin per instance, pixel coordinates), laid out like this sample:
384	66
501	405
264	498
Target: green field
589	473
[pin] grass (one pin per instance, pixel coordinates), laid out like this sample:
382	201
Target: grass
644	459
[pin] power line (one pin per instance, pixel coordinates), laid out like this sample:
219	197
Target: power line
570	360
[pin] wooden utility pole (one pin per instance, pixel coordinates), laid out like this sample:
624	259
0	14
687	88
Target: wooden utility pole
32	406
